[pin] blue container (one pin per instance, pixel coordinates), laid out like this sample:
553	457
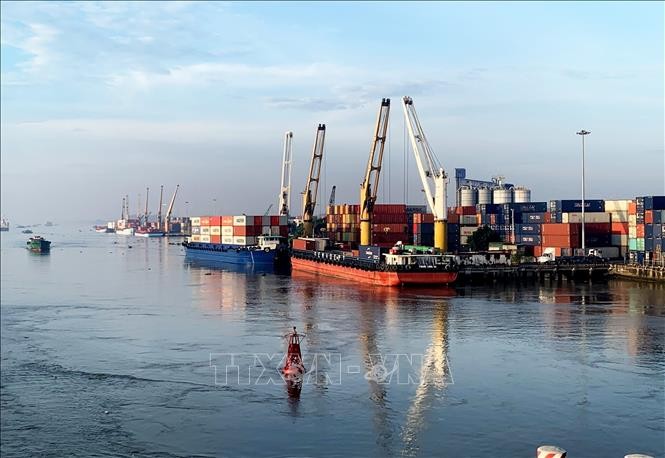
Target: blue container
533	218
427	228
658	216
598	240
658	203
555	206
489	209
648	230
528	229
576	205
649	244
452	228
369	253
526	207
639	257
528	239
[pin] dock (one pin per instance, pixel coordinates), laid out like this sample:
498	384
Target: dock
639	272
532	272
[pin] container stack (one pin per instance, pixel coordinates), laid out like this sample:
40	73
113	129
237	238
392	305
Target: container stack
645	235
237	230
422	229
343	223
619	211
389	224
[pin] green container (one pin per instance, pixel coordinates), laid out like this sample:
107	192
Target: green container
640	244
632	244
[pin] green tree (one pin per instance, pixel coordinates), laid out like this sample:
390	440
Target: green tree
481	239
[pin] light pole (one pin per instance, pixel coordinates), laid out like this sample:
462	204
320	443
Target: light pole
583	133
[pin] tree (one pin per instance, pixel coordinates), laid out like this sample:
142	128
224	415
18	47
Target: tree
481	239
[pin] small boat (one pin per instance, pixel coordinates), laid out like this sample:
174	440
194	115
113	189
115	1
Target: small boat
26	231
38	244
127	231
148	232
104	230
4	225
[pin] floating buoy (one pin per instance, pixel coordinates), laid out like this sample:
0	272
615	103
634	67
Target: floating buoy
637	455
550	451
293	365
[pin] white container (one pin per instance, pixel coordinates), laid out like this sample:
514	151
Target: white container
227	240
620	216
227	231
195	238
239	240
215	230
632	220
205	230
468	219
283	220
589	217
196	230
240	220
196	220
250	240
265	221
632	232
467	230
265	230
205	238
274	230
617	205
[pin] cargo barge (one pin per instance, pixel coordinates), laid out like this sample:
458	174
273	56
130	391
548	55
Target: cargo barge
270	251
371	266
38	244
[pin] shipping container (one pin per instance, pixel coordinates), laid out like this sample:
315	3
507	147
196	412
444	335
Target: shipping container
196	238
533	218
227	231
227	239
640	231
589	217
369	253
196	230
618	205
215	230
490	209
215	239
620	217
195	220
227	220
471	220
528	228
576	205
619	240
241	220
205	238
562	241
214	220
526	207
467	230
560	229
529	239
205	221
654	203
648	216
205	230
619	228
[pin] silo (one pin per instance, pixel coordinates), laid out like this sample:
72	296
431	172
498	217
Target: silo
484	195
467	196
521	195
502	195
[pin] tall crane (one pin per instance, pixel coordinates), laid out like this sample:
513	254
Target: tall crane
331	201
122	213
370	185
145	213
159	211
285	188
312	187
167	219
431	173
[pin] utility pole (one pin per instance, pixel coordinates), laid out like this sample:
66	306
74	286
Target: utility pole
583	133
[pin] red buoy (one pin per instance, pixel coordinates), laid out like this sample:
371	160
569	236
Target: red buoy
293	366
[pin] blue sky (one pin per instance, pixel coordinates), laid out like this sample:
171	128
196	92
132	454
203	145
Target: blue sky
100	100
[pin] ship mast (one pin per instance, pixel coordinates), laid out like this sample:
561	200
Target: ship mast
159	211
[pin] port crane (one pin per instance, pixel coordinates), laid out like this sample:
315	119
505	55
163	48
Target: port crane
312	186
145	213
159	211
285	188
431	173
370	184
167	219
331	201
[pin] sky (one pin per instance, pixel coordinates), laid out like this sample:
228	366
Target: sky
101	100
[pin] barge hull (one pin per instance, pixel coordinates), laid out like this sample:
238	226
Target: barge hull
377	278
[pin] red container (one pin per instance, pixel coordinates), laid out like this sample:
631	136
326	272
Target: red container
632	208
215	221
274	220
240	230
283	231
453	218
561	241
560	229
205	221
597	228
258	220
548	218
227	221
640	231
648	216
619	228
215	239
300	244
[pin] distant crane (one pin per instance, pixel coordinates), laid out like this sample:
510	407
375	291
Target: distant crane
312	186
370	184
431	173
285	188
145	213
122	212
167	219
331	201
268	210
159	211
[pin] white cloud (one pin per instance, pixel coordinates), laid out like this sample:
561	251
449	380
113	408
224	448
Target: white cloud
38	45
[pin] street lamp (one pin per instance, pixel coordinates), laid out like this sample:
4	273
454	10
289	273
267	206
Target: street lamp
583	133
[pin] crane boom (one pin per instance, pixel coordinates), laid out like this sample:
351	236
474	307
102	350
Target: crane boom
167	220
285	188
370	184
145	213
431	173
312	187
159	211
331	201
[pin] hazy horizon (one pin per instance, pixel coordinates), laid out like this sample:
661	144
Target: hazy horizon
100	100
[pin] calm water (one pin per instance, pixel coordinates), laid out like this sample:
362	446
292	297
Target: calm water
109	350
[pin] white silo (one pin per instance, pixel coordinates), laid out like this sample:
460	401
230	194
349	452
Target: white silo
521	195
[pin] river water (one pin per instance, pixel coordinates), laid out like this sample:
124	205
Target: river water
117	346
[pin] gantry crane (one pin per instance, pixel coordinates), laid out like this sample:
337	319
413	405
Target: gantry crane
159	211
370	185
167	219
431	173
331	201
312	186
285	189
145	213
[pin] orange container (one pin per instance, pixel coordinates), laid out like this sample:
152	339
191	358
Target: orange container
215	221
227	221
240	230
648	216
632	208
547	218
560	229
640	231
205	221
215	239
561	241
619	228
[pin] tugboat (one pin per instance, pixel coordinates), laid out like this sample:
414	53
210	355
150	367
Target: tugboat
38	244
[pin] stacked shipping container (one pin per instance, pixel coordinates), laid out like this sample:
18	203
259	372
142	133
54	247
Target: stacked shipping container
237	230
